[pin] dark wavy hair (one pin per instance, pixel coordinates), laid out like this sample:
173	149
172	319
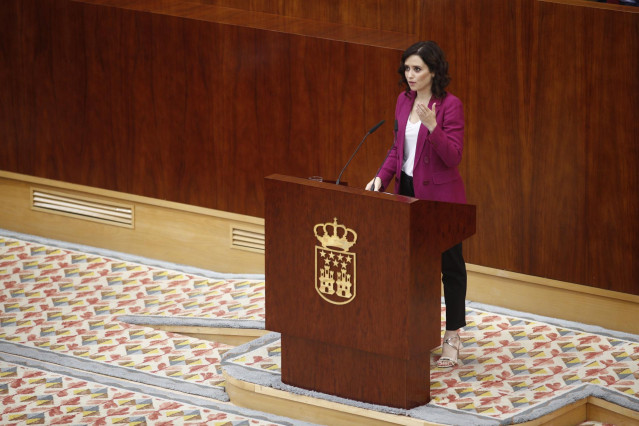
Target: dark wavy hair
434	57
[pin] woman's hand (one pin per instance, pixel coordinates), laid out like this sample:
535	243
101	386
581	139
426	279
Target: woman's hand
374	185
428	117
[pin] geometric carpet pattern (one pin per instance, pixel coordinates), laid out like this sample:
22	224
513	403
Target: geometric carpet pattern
32	396
508	366
64	307
69	302
66	303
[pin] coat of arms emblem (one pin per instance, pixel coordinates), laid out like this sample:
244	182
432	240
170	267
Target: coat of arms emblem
334	265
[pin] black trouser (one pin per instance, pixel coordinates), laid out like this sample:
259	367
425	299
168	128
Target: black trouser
453	272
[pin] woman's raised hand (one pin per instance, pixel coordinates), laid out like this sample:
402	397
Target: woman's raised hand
374	185
427	116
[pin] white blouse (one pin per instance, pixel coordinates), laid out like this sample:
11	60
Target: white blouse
410	144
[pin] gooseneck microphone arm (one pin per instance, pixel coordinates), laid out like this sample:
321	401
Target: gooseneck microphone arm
372	187
375	127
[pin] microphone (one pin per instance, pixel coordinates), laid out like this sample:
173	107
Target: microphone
372	187
375	127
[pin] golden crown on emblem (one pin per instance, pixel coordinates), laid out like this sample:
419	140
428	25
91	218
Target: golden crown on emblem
341	237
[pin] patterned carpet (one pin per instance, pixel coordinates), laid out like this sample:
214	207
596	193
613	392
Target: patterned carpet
37	396
513	370
62	307
68	357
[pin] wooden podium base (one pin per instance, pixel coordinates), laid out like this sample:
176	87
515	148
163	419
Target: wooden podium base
357	304
355	374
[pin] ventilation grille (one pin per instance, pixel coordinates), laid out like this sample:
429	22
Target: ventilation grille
245	239
82	207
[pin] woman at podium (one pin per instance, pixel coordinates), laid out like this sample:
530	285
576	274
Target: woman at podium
429	139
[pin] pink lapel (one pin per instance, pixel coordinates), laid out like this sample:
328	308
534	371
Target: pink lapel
402	117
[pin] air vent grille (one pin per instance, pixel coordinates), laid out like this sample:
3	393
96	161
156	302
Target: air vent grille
82	207
245	239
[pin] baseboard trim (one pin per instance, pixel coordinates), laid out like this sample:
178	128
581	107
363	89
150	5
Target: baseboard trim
130	197
556	299
606	412
228	336
163	230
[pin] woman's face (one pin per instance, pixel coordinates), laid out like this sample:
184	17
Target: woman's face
417	74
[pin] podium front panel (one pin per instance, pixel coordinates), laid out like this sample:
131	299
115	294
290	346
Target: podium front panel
379	294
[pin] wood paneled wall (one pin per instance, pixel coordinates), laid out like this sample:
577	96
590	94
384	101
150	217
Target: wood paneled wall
197	102
188	110
595	202
550	91
388	15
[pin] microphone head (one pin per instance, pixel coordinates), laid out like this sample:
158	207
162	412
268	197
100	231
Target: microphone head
375	127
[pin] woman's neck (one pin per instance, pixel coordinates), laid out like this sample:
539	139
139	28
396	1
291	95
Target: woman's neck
424	96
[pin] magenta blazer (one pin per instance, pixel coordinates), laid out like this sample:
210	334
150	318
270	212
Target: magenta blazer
437	155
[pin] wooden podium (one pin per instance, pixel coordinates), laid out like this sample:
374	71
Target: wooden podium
353	281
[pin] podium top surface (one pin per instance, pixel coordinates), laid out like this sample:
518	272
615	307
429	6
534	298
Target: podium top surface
344	188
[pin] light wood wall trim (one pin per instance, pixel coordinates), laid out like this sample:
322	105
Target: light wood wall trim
163	230
275	401
556	299
228	336
123	196
607	412
546	282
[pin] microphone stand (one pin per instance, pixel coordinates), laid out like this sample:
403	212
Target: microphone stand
372	187
375	127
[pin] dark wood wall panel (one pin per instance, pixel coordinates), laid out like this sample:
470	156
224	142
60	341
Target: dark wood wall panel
613	215
182	109
559	173
387	15
586	157
596	170
551	156
490	71
197	102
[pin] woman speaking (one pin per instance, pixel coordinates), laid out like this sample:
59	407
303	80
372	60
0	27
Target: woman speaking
425	156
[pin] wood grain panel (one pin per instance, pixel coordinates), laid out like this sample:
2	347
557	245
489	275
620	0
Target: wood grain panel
612	170
490	74
586	153
196	102
387	15
265	21
559	173
546	186
355	375
10	112
186	110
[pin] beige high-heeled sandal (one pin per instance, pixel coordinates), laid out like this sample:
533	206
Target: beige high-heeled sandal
448	362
